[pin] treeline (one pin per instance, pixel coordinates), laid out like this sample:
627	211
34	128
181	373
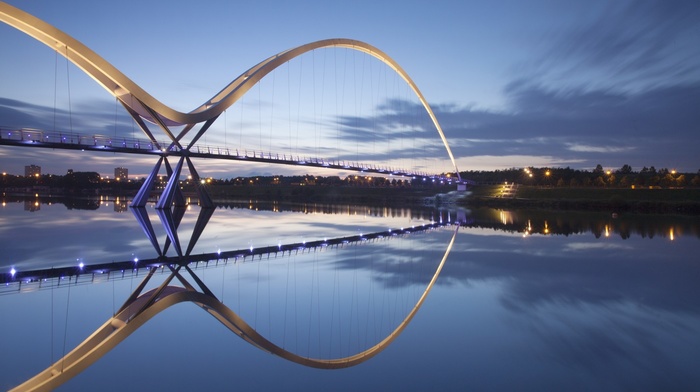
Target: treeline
624	177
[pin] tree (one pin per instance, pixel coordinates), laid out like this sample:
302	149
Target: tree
626	169
624	182
680	180
653	180
668	180
598	169
696	180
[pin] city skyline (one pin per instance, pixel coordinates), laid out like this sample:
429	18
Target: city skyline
512	84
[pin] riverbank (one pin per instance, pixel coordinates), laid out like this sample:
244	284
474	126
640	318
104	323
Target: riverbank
392	196
613	200
610	200
379	195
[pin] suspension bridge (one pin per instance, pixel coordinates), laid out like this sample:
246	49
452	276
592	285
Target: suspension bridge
143	304
178	126
101	143
181	133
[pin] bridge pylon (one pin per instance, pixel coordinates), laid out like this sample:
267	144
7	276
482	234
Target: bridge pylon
172	193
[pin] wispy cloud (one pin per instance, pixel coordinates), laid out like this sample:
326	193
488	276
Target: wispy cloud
584	126
588	246
547	127
629	45
600	149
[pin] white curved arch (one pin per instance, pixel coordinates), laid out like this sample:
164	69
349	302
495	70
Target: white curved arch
141	102
123	324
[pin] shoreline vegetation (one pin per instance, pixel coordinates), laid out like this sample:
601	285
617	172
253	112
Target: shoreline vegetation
622	191
609	200
613	200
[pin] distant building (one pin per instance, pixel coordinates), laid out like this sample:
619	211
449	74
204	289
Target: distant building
121	173
32	171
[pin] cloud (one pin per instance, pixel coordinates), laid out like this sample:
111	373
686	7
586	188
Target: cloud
582	127
544	126
587	246
618	86
600	149
631	46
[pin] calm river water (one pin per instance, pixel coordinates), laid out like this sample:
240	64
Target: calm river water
524	300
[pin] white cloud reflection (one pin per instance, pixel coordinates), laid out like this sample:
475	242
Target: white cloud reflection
587	246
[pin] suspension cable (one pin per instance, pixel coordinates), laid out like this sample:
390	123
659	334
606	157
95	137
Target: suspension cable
70	109
55	88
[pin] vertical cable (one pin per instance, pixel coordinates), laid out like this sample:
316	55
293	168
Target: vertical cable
116	102
289	107
257	296
55	88
240	141
301	68
272	111
52	304
223	276
70	109
269	297
259	84
65	329
313	99
286	301
114	311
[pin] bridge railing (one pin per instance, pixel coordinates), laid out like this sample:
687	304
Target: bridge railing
21	281
305	160
31	135
100	142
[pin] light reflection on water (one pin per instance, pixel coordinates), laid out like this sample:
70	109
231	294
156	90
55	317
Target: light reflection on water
92	231
555	301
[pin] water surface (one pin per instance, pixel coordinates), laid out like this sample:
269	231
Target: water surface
526	300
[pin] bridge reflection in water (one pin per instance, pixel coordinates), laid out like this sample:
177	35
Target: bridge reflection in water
145	303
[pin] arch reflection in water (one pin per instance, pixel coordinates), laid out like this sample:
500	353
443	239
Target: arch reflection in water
144	304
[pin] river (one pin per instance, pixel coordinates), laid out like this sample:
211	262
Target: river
521	300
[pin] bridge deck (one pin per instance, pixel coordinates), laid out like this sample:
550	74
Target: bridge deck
239	254
101	143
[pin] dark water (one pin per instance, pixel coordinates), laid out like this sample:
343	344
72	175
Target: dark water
525	300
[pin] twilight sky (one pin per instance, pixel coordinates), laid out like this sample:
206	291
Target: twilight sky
513	83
